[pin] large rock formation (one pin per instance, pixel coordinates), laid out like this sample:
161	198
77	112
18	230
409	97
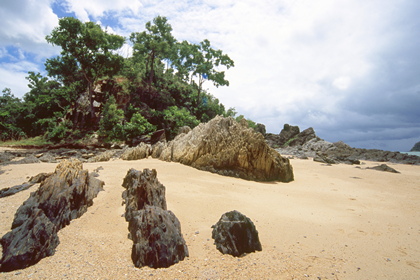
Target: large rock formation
155	231
229	148
61	197
235	234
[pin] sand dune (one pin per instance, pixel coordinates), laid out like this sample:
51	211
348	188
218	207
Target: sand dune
332	222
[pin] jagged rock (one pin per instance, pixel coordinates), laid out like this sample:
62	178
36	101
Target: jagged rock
288	133
6	157
235	234
158	148
157	238
142	188
140	152
384	167
61	197
104	156
28	159
47	157
226	147
32	181
155	231
303	137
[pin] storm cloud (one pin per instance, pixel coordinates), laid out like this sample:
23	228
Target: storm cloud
349	68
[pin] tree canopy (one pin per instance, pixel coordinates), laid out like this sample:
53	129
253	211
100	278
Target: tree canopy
90	88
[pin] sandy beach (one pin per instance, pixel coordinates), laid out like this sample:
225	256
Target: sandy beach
331	222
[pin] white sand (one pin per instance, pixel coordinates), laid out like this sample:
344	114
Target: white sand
332	222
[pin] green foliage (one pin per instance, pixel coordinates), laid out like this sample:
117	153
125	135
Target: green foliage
111	124
34	141
11	113
137	126
59	131
160	86
178	117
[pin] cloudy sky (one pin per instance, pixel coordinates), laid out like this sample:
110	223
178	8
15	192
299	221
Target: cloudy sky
348	68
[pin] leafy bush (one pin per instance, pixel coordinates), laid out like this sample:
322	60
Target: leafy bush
111	124
59	131
178	117
137	126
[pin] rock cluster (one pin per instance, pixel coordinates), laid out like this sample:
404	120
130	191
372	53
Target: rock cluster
235	234
62	196
307	144
229	148
155	231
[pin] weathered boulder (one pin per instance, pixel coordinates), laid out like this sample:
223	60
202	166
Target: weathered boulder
260	128
158	148
226	147
384	167
142	188
104	156
139	152
61	197
155	231
157	238
235	234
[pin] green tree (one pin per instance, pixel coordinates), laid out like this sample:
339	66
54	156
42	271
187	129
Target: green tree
111	124
87	54
202	62
137	126
10	113
153	45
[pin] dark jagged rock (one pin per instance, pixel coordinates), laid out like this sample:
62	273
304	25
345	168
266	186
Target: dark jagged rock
235	234
61	197
157	238
142	188
229	148
15	189
416	147
384	167
288	133
303	137
155	231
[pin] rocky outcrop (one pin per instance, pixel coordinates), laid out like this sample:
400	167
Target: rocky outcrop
416	147
139	152
32	181
384	167
235	234
61	197
157	238
229	148
141	189
155	231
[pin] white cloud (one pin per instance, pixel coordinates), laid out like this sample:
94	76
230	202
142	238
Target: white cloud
25	24
13	76
99	8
